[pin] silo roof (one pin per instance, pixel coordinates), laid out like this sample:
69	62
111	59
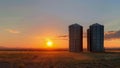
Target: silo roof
75	25
96	24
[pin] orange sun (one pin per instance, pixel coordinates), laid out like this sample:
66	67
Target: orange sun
49	43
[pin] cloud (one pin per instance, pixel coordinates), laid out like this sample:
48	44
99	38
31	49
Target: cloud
63	36
112	35
12	31
66	36
108	35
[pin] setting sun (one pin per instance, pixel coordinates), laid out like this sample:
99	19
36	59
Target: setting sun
49	43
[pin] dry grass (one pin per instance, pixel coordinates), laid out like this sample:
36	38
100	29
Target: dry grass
58	59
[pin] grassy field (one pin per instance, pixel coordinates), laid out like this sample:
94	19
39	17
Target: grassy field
58	59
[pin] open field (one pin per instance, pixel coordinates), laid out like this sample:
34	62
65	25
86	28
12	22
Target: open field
58	59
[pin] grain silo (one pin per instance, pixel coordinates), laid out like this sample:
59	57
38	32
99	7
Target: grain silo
75	38
96	38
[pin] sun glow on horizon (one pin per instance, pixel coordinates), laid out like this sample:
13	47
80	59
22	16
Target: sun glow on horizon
49	43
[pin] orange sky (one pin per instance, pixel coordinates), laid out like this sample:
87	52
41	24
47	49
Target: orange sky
39	41
28	23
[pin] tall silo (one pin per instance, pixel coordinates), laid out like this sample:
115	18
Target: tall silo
75	38
96	38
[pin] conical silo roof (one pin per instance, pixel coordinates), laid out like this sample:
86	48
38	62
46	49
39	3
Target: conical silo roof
75	25
96	24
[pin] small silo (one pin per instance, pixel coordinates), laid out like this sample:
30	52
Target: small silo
96	38
88	40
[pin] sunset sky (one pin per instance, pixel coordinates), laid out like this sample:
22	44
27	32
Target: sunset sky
30	23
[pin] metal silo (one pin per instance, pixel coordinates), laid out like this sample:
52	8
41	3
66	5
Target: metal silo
88	40
75	38
96	38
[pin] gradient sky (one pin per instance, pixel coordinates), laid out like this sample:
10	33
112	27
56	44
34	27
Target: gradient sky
28	23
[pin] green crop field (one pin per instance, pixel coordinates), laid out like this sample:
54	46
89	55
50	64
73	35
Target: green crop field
58	59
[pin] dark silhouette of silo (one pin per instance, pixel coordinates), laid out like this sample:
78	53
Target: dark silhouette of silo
75	38
88	40
95	38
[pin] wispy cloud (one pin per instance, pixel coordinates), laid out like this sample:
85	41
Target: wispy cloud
112	35
66	36
12	31
63	36
108	35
